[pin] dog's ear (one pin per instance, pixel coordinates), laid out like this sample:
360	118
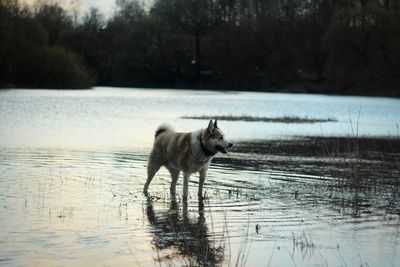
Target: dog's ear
210	127
215	124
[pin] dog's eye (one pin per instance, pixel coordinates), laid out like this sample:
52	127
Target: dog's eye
221	138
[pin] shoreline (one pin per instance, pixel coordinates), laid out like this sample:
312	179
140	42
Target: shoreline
319	90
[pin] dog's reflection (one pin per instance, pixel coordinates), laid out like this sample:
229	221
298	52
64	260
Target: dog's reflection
174	228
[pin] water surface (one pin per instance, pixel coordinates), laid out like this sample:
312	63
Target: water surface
73	165
125	118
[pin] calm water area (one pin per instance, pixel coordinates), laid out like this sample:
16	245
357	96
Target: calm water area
73	166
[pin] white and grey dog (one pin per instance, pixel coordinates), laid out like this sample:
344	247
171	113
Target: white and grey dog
187	152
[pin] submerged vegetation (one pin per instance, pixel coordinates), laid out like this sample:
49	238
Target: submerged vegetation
284	119
317	46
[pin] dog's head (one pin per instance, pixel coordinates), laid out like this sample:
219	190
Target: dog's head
214	138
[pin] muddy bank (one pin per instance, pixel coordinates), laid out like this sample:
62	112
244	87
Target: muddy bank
371	160
367	148
377	157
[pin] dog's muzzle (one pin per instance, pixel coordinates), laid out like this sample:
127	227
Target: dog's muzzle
222	149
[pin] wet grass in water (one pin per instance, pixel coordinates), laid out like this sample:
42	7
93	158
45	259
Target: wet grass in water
248	118
359	169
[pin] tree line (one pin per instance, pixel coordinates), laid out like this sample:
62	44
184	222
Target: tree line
341	46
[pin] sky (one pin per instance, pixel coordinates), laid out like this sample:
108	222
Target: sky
107	7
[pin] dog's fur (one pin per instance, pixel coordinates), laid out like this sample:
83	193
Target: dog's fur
187	152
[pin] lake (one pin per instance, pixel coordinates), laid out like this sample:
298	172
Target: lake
73	166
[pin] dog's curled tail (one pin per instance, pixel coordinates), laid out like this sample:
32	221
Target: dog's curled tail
163	128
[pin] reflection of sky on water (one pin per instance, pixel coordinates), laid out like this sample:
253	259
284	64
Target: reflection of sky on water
73	164
58	208
111	117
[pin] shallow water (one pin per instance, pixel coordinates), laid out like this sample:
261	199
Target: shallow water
73	166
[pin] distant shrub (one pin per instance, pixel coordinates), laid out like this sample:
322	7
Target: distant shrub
63	69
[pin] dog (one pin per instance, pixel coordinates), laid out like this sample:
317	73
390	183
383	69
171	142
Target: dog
189	152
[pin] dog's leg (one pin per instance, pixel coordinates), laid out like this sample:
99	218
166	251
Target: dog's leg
153	166
151	171
186	177
174	175
203	173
